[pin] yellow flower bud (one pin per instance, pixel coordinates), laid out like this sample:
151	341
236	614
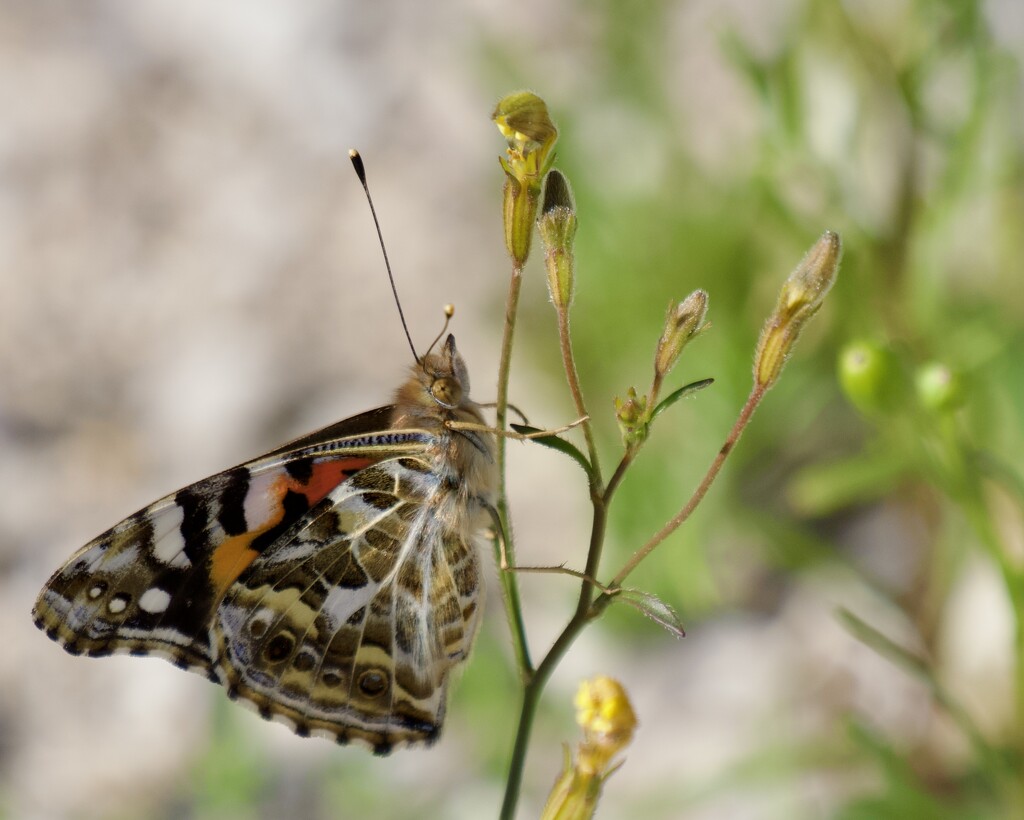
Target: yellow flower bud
683	322
800	297
523	120
574	795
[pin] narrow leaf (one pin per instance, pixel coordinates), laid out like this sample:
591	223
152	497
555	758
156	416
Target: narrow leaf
555	443
654	608
682	392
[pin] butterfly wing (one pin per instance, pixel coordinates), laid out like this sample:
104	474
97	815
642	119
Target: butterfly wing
151	583
332	584
348	627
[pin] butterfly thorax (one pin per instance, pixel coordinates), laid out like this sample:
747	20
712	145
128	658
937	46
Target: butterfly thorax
436	393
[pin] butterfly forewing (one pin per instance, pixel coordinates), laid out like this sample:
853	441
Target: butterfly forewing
332	583
150	582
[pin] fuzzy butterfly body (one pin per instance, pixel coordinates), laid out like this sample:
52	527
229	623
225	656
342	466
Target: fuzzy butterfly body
333	583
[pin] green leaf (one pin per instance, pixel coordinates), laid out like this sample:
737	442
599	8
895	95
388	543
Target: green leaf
654	608
682	392
555	443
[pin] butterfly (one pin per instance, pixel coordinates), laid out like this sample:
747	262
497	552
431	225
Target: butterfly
333	583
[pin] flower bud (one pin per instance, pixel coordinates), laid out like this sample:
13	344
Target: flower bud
870	377
523	120
682	323
574	795
938	387
631	414
557	225
800	297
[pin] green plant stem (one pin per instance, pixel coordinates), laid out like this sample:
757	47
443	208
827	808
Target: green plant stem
535	686
536	682
510	585
587	609
569	363
753	400
620	472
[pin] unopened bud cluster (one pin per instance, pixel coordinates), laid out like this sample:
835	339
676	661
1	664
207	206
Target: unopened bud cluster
631	414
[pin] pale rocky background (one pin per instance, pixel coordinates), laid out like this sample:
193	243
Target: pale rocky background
189	276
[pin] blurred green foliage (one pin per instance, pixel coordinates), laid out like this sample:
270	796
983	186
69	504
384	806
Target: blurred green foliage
898	126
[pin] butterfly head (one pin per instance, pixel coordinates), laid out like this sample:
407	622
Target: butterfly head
446	376
439	386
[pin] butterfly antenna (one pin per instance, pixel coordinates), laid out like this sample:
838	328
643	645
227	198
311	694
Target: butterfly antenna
357	163
449	311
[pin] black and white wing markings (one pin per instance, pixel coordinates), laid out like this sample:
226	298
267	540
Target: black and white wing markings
150	584
348	627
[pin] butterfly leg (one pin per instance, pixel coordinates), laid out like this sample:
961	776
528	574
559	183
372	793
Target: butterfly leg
512	434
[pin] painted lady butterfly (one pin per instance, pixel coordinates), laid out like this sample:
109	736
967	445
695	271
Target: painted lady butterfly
332	583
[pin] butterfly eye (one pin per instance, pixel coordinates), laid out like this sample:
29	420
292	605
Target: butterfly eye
373	682
446	391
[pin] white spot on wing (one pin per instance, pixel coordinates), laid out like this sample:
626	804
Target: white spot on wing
154	600
117	605
259	498
168	545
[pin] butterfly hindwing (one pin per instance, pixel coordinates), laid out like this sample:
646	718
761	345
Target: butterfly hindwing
349	627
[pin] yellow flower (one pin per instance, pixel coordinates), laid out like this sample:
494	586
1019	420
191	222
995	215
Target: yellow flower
608	722
522	118
606	716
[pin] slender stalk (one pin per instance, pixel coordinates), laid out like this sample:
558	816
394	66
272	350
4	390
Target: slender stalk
676	521
569	363
538	680
535	686
620	472
586	607
510	585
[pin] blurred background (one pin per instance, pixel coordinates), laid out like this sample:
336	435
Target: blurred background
189	277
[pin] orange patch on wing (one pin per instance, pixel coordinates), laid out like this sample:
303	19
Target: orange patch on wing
327	475
235	553
231	558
